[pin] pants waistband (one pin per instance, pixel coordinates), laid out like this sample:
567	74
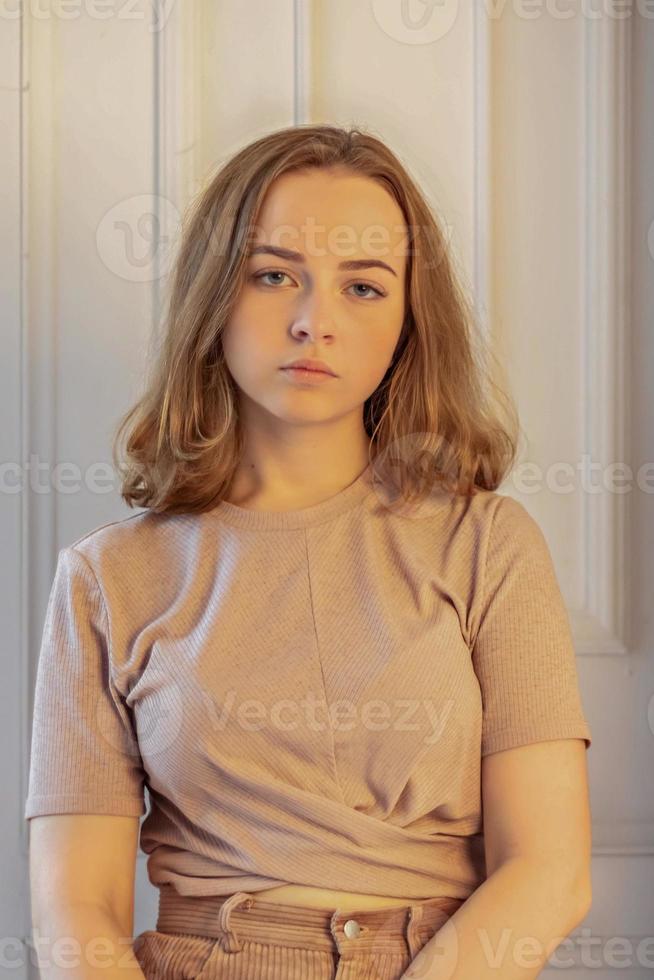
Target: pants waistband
242	915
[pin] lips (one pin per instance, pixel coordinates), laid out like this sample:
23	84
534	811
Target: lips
304	377
310	364
298	367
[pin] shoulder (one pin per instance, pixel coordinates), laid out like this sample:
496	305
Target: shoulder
463	521
490	516
472	524
111	531
495	532
486	515
513	531
498	511
135	545
458	535
133	530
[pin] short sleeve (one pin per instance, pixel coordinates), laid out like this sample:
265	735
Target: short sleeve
523	652
84	755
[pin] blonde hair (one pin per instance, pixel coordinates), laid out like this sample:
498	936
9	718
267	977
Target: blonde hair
430	420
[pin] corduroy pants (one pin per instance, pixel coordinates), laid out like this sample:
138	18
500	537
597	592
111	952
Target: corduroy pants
241	937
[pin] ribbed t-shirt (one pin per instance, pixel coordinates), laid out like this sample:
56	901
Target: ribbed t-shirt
306	694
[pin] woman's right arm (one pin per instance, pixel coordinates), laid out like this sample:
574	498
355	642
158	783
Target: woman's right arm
82	870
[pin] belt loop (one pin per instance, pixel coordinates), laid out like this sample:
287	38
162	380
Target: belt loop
413	920
229	940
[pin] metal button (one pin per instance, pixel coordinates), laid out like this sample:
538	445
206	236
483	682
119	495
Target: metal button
351	928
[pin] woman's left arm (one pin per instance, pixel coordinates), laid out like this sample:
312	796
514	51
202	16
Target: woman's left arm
537	838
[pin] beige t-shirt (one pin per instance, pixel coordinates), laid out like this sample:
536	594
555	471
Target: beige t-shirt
306	694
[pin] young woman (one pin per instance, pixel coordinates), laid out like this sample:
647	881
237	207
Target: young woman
338	658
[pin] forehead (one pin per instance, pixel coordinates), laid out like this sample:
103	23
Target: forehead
332	215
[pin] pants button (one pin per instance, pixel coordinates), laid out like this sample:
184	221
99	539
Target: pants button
351	928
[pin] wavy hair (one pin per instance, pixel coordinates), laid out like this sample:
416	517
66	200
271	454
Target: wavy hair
437	418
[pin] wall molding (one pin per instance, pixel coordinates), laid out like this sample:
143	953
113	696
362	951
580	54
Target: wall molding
482	85
39	357
177	60
302	61
602	623
623	838
571	956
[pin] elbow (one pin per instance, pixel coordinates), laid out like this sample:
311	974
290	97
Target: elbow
584	897
577	895
570	889
579	886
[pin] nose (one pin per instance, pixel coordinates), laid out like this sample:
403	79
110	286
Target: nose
313	318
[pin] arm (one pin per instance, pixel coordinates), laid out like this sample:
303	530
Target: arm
82	896
83	942
537	839
506	930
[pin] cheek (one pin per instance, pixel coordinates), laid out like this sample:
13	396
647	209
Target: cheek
373	364
372	350
244	340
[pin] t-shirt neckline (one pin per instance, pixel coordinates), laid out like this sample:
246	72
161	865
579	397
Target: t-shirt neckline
271	520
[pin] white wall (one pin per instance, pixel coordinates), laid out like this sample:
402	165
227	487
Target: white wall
518	129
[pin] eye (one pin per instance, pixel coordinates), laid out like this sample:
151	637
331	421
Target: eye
261	276
366	285
272	272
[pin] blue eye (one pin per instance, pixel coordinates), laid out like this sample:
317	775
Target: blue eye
366	286
262	275
277	272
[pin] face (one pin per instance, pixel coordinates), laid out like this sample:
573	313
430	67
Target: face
334	293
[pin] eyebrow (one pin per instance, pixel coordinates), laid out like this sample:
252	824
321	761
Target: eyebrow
292	256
